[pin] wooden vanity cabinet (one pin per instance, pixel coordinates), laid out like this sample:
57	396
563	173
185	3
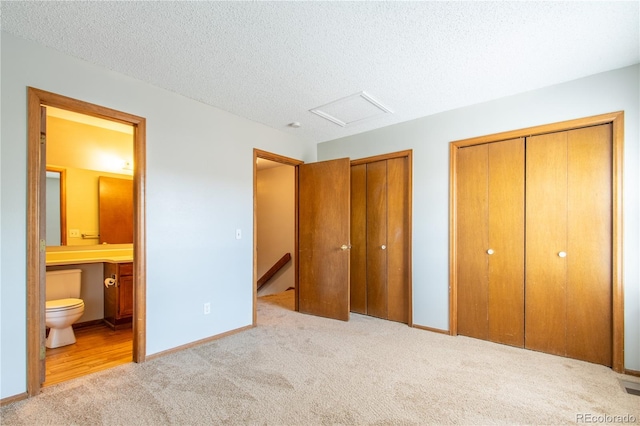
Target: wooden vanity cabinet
118	298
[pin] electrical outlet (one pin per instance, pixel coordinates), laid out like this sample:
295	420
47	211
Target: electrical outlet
207	308
74	233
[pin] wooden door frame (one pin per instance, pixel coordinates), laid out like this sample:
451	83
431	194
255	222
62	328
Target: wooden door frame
617	124
36	254
408	154
258	153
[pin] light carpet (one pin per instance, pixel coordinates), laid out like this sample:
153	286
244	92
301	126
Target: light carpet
296	369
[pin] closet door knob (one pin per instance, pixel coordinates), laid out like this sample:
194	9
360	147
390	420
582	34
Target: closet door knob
383	247
490	251
345	247
562	254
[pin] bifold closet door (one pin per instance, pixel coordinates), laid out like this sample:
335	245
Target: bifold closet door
380	254
569	244
472	271
490	241
359	239
377	239
398	268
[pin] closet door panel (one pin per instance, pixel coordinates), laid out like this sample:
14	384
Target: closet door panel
589	298
546	237
397	247
376	239
359	239
472	241
506	239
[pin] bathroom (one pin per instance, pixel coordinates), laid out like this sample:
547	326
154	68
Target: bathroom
81	152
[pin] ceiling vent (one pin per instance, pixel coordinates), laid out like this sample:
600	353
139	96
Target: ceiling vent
352	109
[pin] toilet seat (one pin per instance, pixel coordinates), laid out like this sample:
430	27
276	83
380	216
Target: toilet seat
61	305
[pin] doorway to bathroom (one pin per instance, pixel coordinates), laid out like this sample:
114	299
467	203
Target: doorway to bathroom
89	200
38	102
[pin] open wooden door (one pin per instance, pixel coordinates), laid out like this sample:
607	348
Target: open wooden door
324	218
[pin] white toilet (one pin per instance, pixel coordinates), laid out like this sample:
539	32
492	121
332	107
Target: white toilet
63	306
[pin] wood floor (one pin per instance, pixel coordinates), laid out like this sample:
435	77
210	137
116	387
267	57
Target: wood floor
97	348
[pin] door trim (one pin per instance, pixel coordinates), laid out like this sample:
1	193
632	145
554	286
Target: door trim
258	153
617	121
36	258
409	155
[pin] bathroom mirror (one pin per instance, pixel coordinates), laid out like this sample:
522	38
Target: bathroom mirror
73	202
56	209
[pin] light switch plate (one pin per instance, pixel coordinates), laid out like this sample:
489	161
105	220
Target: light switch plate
238	234
74	233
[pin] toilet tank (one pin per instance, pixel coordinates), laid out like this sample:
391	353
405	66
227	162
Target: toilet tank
63	284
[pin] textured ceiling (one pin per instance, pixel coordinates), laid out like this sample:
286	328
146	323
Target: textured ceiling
272	62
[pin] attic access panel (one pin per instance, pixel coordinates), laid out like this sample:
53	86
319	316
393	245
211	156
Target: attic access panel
351	109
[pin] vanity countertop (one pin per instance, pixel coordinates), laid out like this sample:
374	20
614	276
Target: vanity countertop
89	255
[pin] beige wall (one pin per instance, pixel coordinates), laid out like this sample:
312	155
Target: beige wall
275	225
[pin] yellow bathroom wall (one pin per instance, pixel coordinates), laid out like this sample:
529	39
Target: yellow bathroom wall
83	146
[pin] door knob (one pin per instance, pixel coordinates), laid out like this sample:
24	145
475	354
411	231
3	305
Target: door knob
490	251
383	247
562	254
345	247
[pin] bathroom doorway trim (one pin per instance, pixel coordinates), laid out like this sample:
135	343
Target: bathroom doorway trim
36	251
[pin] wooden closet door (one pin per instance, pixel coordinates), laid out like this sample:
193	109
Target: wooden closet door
568	244
377	239
472	271
380	228
506	241
546	237
589	243
490	243
359	238
397	239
